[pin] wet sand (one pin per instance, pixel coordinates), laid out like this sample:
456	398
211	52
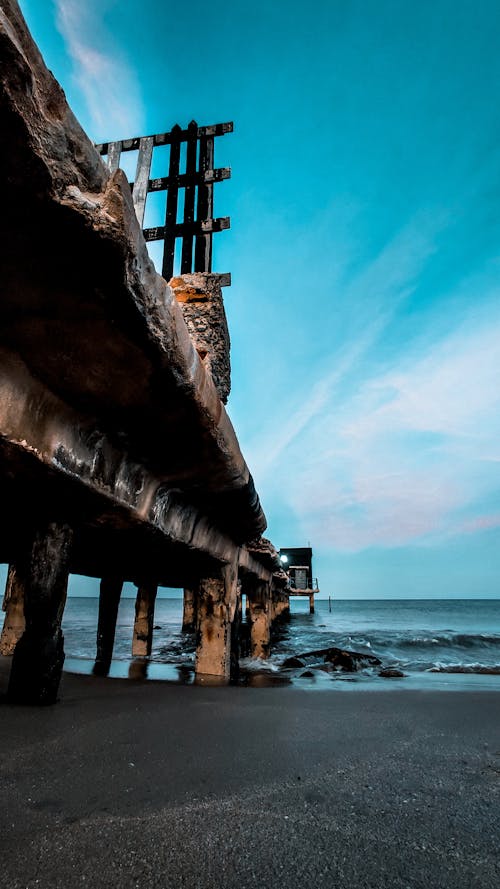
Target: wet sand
155	785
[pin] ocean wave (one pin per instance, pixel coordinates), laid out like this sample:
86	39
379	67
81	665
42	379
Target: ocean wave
455	640
259	665
424	639
482	669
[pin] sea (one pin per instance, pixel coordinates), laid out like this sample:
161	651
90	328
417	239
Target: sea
438	643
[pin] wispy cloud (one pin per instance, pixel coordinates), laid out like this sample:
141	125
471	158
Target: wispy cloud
267	453
481	523
377	291
105	79
413	455
446	391
396	446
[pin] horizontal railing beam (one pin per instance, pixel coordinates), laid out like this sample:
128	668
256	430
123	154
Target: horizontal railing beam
205	226
218	129
184	179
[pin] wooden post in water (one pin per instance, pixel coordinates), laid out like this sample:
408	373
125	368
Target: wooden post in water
39	655
13	605
142	640
109	600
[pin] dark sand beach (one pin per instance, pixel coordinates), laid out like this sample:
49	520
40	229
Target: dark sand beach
150	784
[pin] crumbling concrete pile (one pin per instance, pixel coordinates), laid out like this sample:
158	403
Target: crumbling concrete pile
200	298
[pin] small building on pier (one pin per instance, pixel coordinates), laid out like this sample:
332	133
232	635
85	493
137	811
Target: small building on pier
297	562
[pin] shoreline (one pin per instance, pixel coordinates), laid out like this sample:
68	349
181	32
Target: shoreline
456	642
151	784
143	671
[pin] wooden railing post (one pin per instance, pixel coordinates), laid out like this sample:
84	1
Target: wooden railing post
203	250
199	175
189	197
172	200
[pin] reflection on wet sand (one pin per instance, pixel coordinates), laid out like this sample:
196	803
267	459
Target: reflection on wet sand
138	668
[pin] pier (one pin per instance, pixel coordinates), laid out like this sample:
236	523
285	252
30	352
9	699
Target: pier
117	457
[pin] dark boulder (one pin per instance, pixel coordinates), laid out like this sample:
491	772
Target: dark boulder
334	659
390	673
293	662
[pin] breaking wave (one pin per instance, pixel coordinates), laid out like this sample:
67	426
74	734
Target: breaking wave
482	669
423	639
451	640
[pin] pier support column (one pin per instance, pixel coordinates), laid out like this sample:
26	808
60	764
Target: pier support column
311	603
281	606
236	634
260	619
142	640
109	600
39	655
13	605
189	611
217	605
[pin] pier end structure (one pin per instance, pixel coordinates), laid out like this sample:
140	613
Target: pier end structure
297	563
112	422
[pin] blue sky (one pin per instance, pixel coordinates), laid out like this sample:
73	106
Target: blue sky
365	254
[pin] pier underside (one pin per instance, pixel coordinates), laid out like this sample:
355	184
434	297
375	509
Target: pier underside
117	457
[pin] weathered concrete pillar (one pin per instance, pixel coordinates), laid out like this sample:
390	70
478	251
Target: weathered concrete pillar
236	634
272	611
142	640
281	606
189	611
311	603
217	604
13	605
39	655
109	600
260	619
